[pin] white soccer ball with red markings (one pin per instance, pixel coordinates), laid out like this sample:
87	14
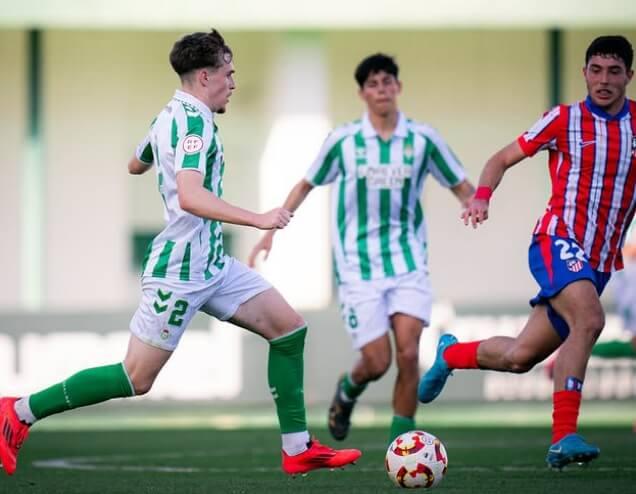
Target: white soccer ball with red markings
416	459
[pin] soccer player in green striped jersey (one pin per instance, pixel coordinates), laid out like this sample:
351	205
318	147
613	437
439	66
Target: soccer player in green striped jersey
378	166
186	270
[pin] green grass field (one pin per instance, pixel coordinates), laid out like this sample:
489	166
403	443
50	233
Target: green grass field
67	455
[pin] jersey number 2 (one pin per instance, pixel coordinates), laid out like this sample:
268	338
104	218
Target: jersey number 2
180	308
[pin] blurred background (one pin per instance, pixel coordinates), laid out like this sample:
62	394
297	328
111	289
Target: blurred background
82	80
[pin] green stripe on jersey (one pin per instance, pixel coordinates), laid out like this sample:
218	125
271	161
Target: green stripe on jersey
146	154
404	209
334	152
361	193
195	127
215	255
209	165
419	215
342	202
184	274
144	263
385	213
425	157
443	166
164	258
174	134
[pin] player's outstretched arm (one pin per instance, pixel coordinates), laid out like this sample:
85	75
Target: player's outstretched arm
476	211
197	200
294	199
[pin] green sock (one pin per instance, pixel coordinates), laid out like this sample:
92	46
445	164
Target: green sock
351	389
614	349
285	378
87	387
400	425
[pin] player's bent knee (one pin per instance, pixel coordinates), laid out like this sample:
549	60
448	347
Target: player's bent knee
294	324
590	326
376	367
141	386
596	325
408	358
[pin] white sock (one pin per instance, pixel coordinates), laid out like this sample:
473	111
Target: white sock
23	411
295	443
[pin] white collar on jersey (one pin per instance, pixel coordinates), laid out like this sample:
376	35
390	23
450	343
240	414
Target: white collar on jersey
369	131
197	103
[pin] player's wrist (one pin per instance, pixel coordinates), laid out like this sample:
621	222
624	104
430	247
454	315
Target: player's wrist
483	193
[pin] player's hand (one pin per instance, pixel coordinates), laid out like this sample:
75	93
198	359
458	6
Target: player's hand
274	220
265	245
476	212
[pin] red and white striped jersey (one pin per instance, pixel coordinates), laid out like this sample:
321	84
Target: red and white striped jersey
592	160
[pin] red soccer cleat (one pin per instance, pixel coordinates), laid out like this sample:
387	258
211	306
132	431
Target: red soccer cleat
12	434
318	456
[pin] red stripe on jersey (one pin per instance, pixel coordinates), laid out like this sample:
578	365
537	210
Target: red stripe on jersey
626	213
545	244
562	163
605	204
543	135
585	174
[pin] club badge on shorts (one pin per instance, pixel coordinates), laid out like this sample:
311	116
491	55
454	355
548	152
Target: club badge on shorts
574	265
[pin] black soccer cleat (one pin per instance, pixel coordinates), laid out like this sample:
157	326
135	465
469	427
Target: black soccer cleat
340	414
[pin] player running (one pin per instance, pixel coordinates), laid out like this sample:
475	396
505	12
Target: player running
576	244
378	166
186	270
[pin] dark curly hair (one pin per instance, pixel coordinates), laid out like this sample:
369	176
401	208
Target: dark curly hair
198	50
617	46
373	64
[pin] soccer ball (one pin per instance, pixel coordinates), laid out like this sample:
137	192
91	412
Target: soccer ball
416	459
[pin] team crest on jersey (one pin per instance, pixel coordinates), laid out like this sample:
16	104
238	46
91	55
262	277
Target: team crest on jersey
408	152
192	144
574	265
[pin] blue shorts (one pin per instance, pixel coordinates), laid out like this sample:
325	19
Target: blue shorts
555	262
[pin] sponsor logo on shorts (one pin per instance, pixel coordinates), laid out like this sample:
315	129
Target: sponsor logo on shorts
574	265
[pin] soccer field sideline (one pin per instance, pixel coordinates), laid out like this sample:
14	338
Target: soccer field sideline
154	415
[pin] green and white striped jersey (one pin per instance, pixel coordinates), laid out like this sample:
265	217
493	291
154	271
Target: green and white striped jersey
378	227
184	137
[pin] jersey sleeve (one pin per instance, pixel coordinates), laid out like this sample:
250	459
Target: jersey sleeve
193	144
144	151
442	162
542	135
325	167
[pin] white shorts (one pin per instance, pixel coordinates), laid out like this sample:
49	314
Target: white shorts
367	306
167	306
625	296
